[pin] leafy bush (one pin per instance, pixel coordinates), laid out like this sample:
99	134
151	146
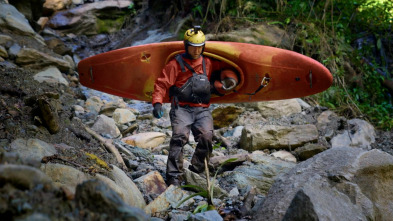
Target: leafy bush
329	31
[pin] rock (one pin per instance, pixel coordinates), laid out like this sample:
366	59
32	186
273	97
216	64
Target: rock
123	116
31	9
237	132
237	159
65	176
211	215
11	19
5	40
32	149
23	177
234	192
88	19
97	197
51	6
168	199
337	184
124	186
107	126
328	123
360	134
14	50
32	58
78	108
145	140
108	109
302	103
51	75
179	215
196	180
309	150
160	161
275	108
163	122
225	116
42	22
70	61
284	155
256	34
249	118
58	46
94	104
48	114
3	52
277	137
134	197
151	184
260	175
35	217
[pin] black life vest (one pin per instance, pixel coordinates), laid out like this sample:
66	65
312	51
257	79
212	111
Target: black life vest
197	87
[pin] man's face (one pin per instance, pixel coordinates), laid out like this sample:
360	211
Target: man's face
195	51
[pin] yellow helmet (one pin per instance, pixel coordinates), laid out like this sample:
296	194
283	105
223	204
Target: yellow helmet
194	37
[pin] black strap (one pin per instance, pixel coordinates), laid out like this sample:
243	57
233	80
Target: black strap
180	60
257	90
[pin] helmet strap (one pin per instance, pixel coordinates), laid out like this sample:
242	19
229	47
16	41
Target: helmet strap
187	55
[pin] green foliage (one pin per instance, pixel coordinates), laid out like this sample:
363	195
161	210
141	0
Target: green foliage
325	31
110	25
131	9
206	193
218	146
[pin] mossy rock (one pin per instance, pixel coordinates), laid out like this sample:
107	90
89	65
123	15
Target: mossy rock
225	116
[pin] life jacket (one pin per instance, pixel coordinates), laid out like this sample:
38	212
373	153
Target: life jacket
196	89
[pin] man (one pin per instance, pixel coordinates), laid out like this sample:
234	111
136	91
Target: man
187	81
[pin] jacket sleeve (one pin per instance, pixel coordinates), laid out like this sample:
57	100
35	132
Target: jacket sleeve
162	84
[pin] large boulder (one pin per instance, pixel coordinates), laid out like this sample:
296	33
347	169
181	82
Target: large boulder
32	149
31	9
35	59
65	176
256	137
51	6
224	116
102	201
91	19
337	184
275	108
260	174
13	21
360	133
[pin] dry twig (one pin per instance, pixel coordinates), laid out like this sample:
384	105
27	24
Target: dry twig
108	144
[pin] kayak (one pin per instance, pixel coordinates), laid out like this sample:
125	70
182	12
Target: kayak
264	73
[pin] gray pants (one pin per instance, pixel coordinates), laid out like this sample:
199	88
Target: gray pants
185	119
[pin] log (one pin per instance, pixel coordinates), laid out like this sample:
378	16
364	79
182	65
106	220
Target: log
108	144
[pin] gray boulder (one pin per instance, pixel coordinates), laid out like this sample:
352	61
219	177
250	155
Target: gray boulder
95	196
90	19
337	184
11	19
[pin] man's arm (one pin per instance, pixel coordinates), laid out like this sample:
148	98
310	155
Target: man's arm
162	84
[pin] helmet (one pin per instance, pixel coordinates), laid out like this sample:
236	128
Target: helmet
194	37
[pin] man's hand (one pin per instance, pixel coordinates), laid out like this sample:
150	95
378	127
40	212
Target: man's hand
157	111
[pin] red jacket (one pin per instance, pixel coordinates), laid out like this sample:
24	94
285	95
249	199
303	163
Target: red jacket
173	75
